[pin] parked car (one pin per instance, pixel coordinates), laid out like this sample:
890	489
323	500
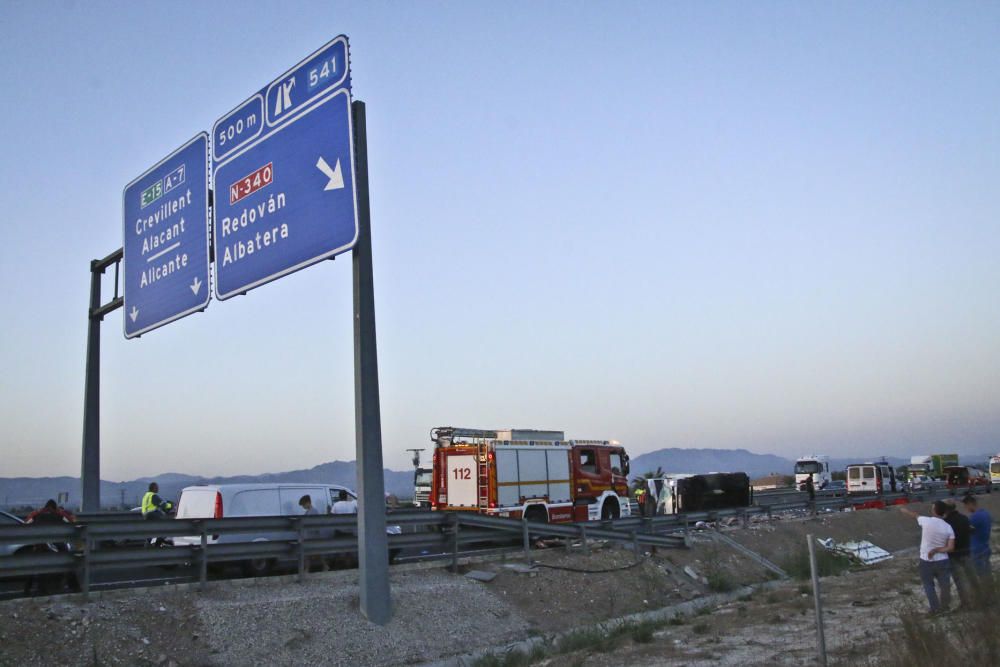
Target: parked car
966	478
8	549
47	584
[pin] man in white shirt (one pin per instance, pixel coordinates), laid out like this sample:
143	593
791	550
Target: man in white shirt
345	504
937	540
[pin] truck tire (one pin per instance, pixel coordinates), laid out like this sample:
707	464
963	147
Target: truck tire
610	511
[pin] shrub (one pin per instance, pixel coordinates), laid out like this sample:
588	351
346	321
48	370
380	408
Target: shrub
642	633
720	582
796	564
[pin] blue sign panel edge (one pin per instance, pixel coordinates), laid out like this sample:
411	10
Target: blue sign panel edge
208	243
319	99
309	262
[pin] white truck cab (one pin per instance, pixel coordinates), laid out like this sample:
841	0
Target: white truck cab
816	466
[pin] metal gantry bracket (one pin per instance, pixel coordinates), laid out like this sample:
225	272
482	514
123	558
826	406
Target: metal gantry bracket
97	269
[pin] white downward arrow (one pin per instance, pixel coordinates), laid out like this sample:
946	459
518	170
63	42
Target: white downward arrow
335	175
196	285
134	314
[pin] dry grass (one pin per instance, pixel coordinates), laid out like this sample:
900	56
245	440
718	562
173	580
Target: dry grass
957	639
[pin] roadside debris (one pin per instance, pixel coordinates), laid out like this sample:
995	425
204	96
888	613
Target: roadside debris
862	551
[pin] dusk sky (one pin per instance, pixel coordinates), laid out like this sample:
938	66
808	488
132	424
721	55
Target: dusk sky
770	225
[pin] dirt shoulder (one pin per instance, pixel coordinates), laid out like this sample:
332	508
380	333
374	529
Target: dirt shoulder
863	605
439	615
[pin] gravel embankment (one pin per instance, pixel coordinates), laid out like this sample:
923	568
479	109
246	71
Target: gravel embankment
274	621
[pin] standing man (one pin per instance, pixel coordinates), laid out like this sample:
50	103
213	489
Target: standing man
49	584
979	545
345	504
810	488
937	539
961	570
306	503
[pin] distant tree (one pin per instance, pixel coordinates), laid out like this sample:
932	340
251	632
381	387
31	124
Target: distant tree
839	475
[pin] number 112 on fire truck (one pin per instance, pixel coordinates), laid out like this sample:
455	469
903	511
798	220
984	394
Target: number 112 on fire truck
530	474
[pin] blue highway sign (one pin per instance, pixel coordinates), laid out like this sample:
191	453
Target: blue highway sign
165	240
284	175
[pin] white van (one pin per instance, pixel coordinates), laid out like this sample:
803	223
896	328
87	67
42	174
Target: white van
871	478
217	501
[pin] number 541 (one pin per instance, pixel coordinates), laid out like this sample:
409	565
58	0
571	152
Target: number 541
318	74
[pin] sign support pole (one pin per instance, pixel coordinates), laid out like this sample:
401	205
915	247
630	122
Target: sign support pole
90	468
373	559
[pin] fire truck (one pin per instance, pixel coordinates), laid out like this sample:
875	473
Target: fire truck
530	474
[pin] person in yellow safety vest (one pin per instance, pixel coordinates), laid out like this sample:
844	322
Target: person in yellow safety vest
154	507
640	499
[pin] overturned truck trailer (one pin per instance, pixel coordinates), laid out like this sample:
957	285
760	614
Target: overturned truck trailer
675	494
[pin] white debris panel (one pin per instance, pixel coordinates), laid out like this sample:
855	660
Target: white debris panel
863	552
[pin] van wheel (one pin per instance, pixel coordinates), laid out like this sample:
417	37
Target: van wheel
258	567
537	515
610	511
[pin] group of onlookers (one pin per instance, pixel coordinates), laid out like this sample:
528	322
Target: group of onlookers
955	546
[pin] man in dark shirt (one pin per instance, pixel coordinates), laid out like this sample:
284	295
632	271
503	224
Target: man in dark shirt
981	522
960	566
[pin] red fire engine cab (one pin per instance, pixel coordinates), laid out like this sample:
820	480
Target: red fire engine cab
530	474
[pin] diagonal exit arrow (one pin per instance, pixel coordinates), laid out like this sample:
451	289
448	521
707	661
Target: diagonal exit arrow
134	314
335	175
196	285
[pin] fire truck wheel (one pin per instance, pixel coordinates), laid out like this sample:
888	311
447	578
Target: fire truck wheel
610	511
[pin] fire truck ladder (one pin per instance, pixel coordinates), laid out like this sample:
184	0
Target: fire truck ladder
484	478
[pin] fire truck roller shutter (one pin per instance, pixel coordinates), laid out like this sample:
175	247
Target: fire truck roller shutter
559	491
532	464
508	494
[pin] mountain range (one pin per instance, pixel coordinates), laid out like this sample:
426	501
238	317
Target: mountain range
34	491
